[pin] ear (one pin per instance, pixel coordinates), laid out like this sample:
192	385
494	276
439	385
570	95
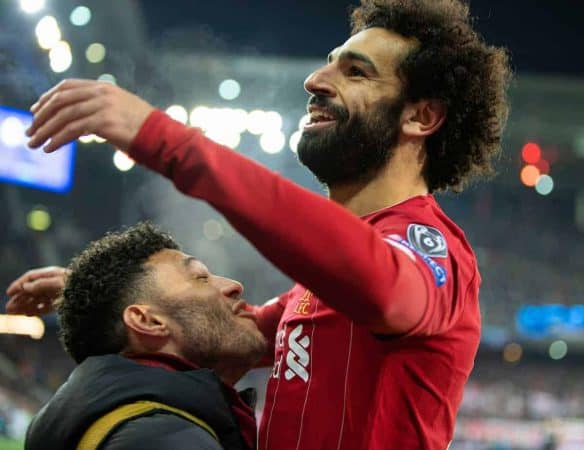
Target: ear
143	320
423	118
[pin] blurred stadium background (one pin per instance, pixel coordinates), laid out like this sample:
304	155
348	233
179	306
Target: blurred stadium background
236	69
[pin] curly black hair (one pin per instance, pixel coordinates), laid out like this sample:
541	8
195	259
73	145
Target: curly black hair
106	277
454	65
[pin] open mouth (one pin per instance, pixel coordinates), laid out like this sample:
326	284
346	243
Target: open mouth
319	118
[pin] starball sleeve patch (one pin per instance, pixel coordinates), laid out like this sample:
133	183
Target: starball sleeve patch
427	240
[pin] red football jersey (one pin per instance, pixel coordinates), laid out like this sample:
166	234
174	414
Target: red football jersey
335	385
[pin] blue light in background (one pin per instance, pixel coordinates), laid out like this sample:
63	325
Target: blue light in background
36	169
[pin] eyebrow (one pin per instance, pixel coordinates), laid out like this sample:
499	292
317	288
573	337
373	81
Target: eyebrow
187	261
354	56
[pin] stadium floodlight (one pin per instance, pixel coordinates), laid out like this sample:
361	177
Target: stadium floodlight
198	116
273	121
48	32
61	57
32	6
273	142
224	137
256	122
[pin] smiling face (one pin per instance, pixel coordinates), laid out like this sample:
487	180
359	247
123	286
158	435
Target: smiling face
355	107
204	312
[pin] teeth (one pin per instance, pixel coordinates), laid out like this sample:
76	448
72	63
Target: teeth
320	116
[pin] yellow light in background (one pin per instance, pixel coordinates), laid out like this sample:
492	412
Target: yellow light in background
22	325
512	353
38	219
95	53
48	32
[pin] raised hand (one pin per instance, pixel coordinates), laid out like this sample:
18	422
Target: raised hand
34	293
75	108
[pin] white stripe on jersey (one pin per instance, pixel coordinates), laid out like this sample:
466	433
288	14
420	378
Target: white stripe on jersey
345	390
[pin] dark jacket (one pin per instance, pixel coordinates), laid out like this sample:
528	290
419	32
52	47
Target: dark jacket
102	383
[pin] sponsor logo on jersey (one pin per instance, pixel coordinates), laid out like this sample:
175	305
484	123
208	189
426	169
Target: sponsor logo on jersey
427	241
297	357
304	303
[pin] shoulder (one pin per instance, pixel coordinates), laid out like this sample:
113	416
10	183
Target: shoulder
160	431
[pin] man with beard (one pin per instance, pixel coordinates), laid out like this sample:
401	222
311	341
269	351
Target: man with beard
145	323
373	346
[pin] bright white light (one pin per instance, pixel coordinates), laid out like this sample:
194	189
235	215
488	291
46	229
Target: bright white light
107	78
87	139
178	113
229	89
274	121
95	53
237	120
273	142
224	137
80	16
198	116
122	161
544	185
61	57
99	139
31	326
256	121
32	6
48	32
294	140
303	121
12	132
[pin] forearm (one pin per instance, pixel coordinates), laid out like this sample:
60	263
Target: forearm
315	241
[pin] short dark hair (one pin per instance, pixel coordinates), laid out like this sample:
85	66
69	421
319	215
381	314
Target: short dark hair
454	65
106	277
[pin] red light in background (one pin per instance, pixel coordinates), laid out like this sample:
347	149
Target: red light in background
531	153
530	175
543	166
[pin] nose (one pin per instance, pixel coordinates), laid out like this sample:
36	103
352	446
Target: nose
229	288
319	82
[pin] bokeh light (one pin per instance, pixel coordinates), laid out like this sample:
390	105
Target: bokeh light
122	161
529	175
558	350
178	113
303	121
256	122
80	16
512	353
12	132
32	6
108	78
544	185
48	32
273	142
213	230
531	153
544	166
38	219
224	137
295	140
61	57
95	53
229	89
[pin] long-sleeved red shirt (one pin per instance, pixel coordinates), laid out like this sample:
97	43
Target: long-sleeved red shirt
335	385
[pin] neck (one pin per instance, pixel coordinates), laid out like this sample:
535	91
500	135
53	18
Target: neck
399	180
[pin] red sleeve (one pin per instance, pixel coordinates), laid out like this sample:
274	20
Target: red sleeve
315	241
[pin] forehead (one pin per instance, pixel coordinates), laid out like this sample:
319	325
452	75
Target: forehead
384	47
174	258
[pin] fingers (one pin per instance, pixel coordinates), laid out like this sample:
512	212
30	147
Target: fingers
50	287
61	87
34	274
68	124
23	304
